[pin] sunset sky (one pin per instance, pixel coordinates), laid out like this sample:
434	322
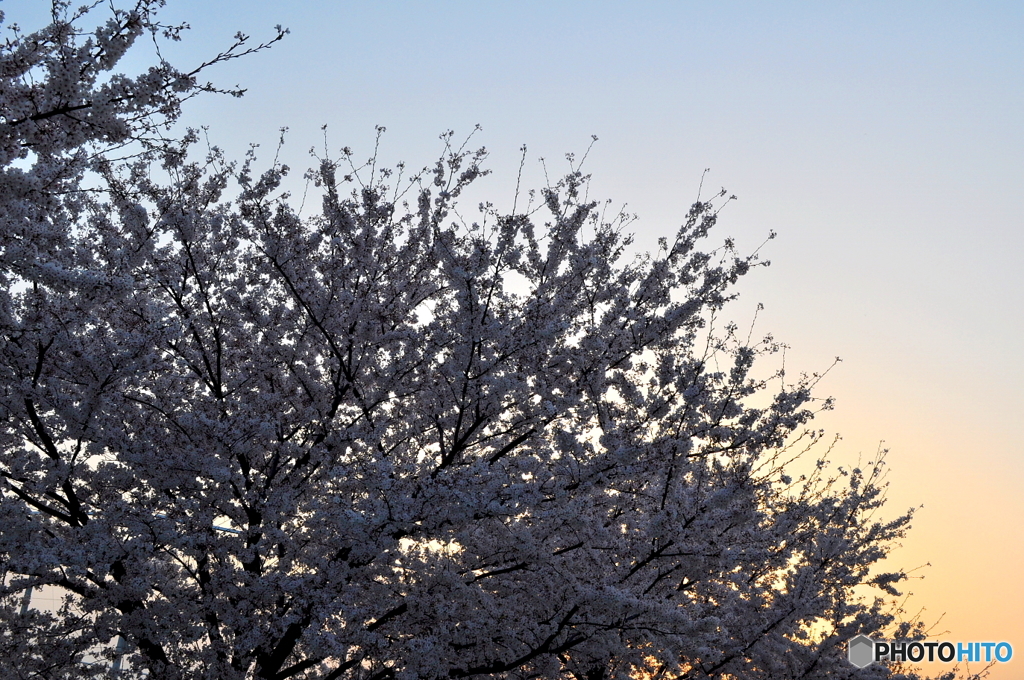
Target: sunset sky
883	141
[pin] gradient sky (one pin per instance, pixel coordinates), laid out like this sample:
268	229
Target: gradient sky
883	141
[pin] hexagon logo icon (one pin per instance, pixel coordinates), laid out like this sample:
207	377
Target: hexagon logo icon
861	651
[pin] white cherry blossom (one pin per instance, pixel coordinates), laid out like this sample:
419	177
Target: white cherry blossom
251	444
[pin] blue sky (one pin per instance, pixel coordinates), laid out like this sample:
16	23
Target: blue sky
882	140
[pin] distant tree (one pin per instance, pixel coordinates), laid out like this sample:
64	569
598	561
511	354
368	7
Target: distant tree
379	442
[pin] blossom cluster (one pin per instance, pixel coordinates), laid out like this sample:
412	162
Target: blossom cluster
379	442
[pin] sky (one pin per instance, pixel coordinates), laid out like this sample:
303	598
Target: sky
882	141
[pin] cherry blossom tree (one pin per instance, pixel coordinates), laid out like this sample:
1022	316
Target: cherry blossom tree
382	442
